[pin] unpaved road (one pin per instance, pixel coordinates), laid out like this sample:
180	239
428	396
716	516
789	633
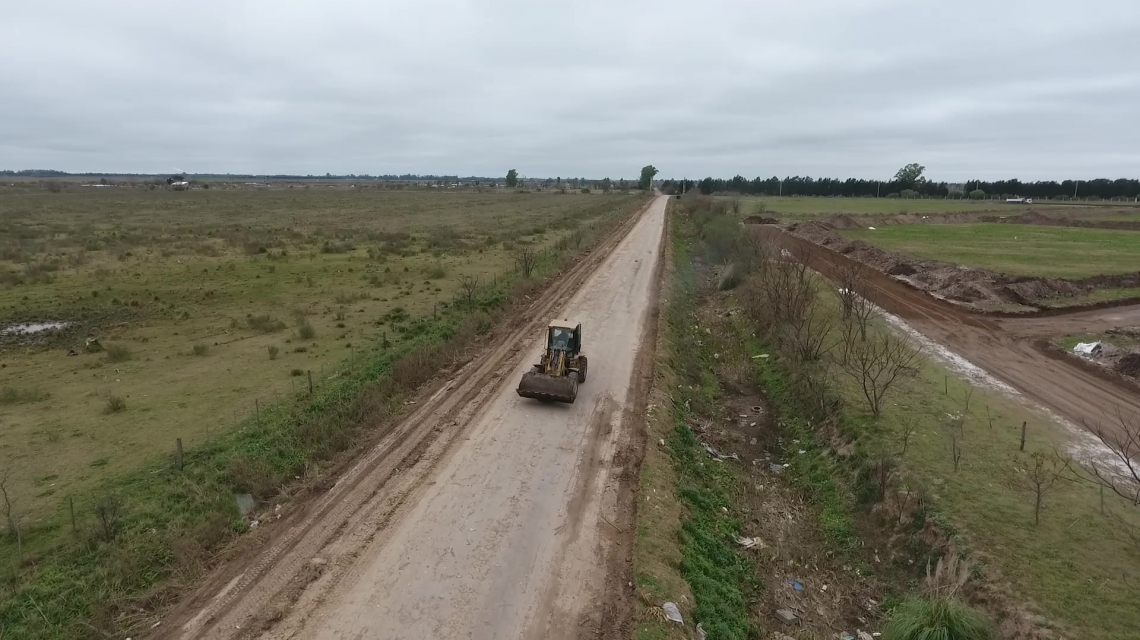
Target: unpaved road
483	515
1006	348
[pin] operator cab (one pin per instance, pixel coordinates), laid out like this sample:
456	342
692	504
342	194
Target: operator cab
563	336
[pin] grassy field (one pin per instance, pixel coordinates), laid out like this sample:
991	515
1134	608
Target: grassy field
1057	252
810	207
206	330
208	303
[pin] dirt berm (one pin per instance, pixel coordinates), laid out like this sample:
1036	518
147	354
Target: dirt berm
976	289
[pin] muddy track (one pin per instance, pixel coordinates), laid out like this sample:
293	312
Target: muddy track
323	552
1009	349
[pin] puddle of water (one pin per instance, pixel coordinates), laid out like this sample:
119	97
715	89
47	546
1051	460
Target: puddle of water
31	328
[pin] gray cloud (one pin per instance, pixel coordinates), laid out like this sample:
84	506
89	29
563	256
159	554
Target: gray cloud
993	89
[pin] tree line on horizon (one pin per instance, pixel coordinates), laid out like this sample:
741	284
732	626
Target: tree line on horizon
905	186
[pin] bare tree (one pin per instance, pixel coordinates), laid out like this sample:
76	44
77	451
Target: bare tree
878	362
807	334
852	280
1121	435
468	289
526	259
908	430
10	515
1037	475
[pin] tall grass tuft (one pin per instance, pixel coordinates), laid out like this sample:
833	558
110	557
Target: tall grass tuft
305	329
118	353
936	618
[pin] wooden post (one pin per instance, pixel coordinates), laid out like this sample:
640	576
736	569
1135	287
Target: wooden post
1102	499
310	372
257	411
946	385
178	453
1022	437
75	529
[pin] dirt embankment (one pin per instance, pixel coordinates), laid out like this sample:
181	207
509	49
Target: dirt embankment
978	290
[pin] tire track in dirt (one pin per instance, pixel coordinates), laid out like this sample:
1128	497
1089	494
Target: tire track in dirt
274	589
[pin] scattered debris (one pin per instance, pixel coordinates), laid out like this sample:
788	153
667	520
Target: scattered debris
244	502
863	635
701	632
318	562
92	345
787	616
672	612
796	584
775	467
749	543
762	356
253	525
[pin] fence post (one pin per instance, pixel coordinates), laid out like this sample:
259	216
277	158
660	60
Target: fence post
178	453
1022	437
310	372
257	411
71	505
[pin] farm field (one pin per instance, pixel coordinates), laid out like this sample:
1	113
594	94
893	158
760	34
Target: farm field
1055	252
811	207
208	304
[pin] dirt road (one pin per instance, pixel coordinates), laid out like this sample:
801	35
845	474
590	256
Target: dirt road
1009	349
483	515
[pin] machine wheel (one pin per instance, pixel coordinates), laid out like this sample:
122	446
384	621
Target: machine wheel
582	368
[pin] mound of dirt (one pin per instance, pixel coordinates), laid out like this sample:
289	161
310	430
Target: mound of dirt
760	220
1129	365
979	288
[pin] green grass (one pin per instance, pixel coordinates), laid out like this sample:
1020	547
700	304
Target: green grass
1055	252
936	619
807	208
685	531
1076	565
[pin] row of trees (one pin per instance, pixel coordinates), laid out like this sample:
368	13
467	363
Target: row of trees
909	181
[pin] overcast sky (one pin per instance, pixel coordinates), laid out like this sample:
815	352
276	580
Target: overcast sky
1035	89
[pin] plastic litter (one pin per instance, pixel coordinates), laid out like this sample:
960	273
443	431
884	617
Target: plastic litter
787	616
701	632
1087	348
796	585
672	612
749	543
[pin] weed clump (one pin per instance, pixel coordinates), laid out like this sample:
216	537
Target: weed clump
17	395
273	351
265	324
201	349
305	330
114	404
118	353
936	617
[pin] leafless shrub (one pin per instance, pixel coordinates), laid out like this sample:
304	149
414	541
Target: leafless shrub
908	430
1037	475
883	470
806	335
955	451
878	362
468	289
526	260
107	520
1121	435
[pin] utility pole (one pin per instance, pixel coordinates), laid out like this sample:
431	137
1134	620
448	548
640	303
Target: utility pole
1075	187
878	183
781	188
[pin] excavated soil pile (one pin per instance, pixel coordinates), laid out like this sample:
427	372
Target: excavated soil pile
979	288
1129	365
